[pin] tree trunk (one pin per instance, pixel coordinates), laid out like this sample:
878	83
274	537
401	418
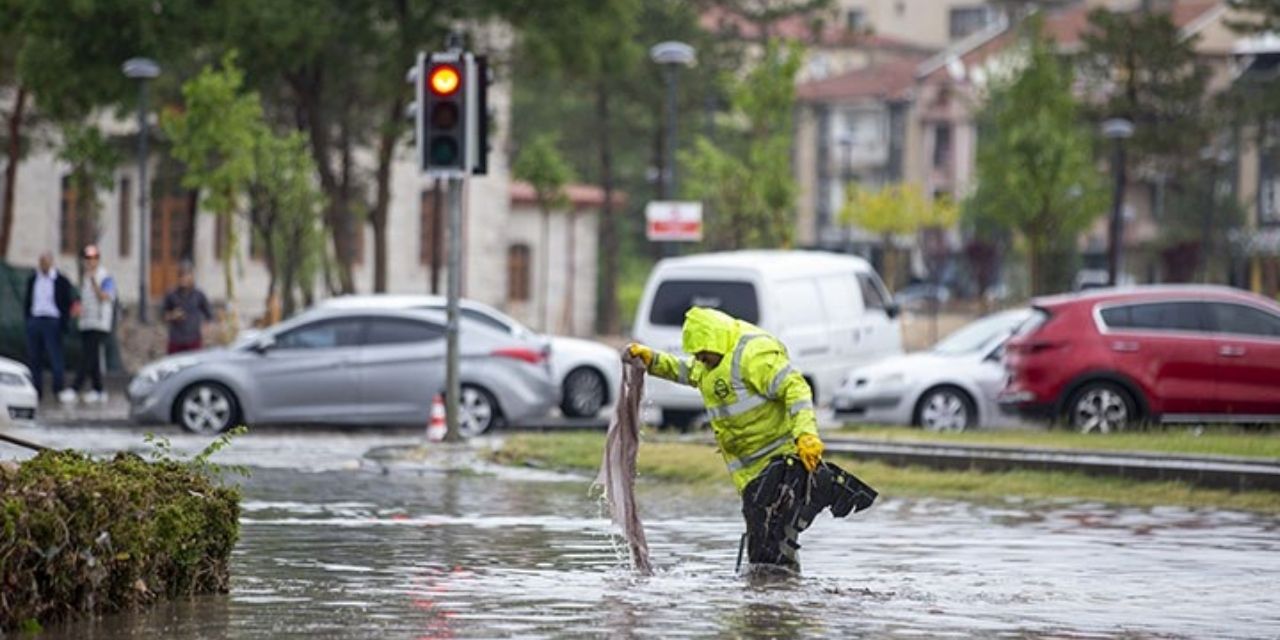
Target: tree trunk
889	263
543	324
307	86
1035	256
607	304
571	272
378	216
14	154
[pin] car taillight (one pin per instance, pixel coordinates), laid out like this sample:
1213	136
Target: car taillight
520	353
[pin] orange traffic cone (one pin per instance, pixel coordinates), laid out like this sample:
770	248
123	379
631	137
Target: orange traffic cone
435	426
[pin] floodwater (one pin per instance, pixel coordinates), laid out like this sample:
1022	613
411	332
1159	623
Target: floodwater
334	546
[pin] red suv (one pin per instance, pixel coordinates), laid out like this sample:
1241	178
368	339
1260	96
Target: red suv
1106	360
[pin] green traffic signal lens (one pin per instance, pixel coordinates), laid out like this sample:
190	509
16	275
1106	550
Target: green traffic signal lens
443	151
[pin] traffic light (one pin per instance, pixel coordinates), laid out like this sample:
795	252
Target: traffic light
451	119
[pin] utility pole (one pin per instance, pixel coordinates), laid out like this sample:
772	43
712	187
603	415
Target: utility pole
453	382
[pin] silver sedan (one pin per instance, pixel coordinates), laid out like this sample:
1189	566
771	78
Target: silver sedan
348	366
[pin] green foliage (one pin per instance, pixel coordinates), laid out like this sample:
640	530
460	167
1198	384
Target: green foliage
895	210
285	207
1142	68
745	181
214	135
1035	165
541	165
80	536
93	163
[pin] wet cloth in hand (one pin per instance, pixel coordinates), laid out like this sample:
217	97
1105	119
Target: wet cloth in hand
618	468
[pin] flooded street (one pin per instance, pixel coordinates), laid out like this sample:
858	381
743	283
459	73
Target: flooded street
333	547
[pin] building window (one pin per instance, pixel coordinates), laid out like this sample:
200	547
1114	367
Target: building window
69	221
518	273
942	146
969	20
126	215
429	226
1269	201
855	20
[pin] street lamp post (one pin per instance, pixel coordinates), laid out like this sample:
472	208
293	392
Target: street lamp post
142	70
671	55
846	175
1118	130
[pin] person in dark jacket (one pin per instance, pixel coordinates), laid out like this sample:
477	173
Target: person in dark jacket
47	308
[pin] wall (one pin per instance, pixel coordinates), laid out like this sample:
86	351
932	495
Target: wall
525	226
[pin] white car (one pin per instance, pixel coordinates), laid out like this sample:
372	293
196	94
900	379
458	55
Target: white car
587	373
951	387
18	397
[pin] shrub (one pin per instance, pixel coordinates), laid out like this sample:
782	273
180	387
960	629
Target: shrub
81	536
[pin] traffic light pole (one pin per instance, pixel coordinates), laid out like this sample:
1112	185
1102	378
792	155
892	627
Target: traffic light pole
453	384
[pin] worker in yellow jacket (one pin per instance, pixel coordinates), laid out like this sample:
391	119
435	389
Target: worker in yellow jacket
761	409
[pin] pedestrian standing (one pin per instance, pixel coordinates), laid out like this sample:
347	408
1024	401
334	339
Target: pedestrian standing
97	313
186	309
47	310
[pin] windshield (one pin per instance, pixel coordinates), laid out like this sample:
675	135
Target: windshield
675	297
982	334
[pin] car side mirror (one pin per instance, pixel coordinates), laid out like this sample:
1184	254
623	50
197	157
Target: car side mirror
262	344
893	310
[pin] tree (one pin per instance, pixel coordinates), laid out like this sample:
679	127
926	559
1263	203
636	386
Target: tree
93	161
1035	170
541	165
745	180
285	207
895	210
1139	66
214	136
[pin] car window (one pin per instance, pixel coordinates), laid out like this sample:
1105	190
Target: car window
323	334
873	295
1244	320
675	297
487	320
1158	316
384	331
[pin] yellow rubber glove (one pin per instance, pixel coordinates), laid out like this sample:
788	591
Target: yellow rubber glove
809	448
645	354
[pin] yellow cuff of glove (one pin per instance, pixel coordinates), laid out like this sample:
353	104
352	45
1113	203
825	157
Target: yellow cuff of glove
645	354
809	448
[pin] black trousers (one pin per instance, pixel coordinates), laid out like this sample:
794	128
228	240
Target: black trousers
91	345
772	534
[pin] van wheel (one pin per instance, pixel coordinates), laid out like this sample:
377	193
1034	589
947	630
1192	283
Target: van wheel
1101	407
946	409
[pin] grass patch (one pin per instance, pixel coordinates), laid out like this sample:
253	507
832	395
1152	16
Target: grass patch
694	463
1225	441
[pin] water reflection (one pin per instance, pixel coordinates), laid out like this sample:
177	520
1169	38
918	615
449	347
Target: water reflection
356	554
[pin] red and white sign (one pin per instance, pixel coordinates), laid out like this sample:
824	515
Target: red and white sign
673	221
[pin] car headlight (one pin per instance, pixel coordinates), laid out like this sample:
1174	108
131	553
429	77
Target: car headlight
154	373
12	379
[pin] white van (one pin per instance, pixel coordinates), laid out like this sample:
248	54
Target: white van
831	311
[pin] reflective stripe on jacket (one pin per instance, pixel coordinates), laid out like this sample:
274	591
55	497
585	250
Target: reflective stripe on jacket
758	403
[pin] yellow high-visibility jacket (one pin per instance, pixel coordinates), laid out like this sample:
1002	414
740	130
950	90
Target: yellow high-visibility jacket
758	403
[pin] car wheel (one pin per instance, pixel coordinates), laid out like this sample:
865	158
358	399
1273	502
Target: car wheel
206	408
1101	407
946	409
478	412
583	393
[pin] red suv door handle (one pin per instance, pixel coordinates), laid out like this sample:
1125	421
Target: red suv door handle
1127	347
1231	351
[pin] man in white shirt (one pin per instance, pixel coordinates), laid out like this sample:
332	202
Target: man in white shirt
47	308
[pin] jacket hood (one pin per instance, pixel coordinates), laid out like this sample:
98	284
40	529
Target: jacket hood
708	330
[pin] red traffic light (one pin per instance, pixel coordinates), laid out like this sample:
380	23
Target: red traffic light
444	80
